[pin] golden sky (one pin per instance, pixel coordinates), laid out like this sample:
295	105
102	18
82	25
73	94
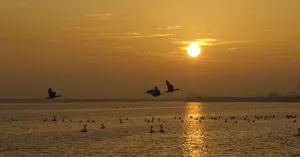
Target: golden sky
119	48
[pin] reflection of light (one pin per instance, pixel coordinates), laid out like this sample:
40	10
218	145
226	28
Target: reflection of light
193	143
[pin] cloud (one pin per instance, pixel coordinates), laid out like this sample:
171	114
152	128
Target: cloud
170	55
132	33
173	27
82	29
138	35
123	48
233	49
124	15
210	42
160	35
170	27
100	16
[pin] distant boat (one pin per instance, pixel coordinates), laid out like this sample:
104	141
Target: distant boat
154	92
170	87
52	94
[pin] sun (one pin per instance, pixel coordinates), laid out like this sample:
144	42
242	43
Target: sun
194	49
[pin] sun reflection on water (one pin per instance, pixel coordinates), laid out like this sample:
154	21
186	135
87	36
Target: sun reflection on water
193	144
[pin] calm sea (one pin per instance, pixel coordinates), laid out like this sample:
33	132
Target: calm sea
271	135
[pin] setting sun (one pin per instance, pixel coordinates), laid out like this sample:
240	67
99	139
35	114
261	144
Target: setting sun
194	49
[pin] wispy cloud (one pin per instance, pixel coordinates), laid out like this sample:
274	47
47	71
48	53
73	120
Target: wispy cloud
160	35
100	16
123	48
82	29
170	27
124	15
138	35
210	42
170	55
233	49
173	27
132	33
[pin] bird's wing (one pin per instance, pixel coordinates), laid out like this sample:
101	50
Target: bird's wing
50	92
149	91
169	85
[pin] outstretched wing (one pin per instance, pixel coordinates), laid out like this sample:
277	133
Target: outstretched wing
149	91
169	85
50	92
54	94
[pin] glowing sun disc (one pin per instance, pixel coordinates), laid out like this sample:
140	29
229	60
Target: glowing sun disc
193	50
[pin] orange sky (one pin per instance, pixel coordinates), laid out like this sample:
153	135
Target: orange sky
119	48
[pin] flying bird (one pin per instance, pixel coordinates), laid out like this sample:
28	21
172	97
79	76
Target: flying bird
52	94
154	92
170	87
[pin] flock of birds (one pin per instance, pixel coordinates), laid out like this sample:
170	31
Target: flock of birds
198	119
102	125
154	92
63	120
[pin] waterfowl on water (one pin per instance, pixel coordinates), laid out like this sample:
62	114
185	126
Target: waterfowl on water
151	130
102	126
54	118
161	129
84	128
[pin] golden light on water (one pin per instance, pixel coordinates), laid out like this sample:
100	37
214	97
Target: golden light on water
194	49
194	134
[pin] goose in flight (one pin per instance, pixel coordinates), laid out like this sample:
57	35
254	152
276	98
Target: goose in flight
52	94
154	92
170	87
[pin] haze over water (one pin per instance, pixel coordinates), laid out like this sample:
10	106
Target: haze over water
30	136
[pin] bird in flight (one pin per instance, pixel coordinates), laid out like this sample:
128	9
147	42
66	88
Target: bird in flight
170	87
154	92
52	94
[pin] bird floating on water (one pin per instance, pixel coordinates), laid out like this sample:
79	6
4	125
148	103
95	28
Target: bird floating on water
161	129
54	119
298	134
151	130
84	129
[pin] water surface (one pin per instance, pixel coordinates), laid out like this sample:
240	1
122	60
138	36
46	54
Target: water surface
30	136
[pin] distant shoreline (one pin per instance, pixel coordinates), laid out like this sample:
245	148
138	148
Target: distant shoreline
200	99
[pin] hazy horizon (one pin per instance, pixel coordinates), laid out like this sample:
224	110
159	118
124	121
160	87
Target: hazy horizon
118	49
